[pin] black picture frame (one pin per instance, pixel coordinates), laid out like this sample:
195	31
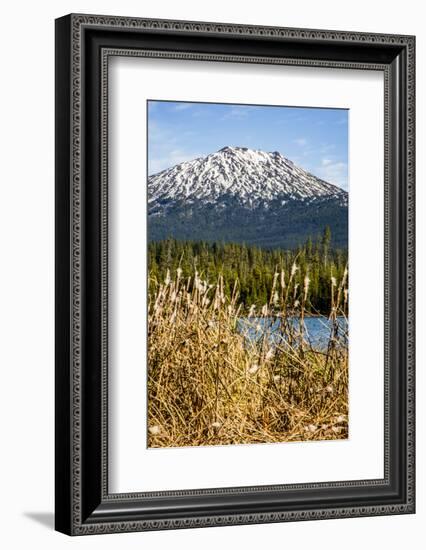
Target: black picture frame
83	45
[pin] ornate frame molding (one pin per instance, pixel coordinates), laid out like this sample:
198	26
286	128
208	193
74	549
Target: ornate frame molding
72	47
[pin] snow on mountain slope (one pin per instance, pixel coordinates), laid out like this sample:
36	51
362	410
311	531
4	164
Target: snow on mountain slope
252	177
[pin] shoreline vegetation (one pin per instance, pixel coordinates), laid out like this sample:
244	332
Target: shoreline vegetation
253	267
208	382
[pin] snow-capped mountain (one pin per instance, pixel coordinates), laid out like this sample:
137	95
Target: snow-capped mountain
253	177
240	194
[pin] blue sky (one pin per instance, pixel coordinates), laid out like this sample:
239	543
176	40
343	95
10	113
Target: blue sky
315	139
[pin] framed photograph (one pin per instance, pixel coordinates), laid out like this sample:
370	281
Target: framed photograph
234	274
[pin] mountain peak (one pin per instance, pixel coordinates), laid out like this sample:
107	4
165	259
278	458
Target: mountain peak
233	149
251	176
230	149
237	192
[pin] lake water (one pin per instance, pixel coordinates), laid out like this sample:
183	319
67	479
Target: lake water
317	330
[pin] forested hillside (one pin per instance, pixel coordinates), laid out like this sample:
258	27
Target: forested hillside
254	268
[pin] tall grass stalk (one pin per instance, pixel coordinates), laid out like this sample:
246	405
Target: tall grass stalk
210	382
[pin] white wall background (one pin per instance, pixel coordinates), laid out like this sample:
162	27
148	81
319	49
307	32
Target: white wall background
26	286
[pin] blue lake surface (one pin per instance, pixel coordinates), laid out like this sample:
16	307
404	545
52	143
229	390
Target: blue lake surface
316	331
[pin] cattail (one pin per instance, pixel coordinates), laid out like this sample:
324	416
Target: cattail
254	368
265	310
294	268
333	281
296	286
252	310
274	282
178	272
311	428
276	298
154	430
306	282
269	354
282	279
167	279
345	275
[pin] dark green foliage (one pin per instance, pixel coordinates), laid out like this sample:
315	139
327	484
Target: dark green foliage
253	267
277	226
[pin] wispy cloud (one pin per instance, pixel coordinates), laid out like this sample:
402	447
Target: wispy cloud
237	113
165	147
169	159
301	142
327	147
342	120
335	172
182	131
183	106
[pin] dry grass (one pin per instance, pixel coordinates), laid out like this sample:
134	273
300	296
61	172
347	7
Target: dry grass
210	384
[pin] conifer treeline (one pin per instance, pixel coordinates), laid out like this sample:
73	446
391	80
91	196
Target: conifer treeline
254	267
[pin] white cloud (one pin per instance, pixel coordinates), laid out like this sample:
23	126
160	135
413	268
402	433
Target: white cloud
158	134
237	113
169	159
165	147
327	147
301	142
333	171
183	106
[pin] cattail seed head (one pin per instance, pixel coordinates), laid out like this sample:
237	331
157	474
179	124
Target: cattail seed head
254	368
154	430
306	282
274	281
276	298
282	279
269	354
312	428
